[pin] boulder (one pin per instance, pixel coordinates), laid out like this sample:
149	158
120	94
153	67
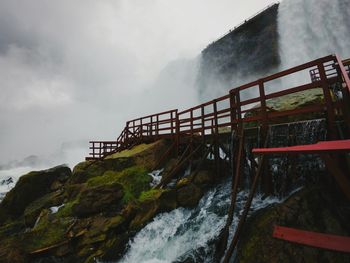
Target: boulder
313	209
98	198
203	177
89	169
34	209
29	188
189	195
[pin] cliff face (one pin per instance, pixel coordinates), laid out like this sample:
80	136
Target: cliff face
249	51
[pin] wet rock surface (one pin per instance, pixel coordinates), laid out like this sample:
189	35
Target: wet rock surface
94	211
314	208
29	188
57	215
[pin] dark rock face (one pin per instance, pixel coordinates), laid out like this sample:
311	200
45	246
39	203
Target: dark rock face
249	50
96	199
189	195
31	187
314	208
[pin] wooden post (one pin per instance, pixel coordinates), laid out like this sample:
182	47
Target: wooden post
177	133
233	112
216	142
266	177
329	103
203	123
171	123
157	126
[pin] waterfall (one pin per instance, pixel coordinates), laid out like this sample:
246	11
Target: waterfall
309	29
291	172
188	235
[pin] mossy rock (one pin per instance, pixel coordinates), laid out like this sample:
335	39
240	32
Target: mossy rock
31	187
134	180
149	204
312	209
47	233
189	195
33	210
99	198
11	250
166	198
113	248
183	182
145	155
89	169
293	101
145	214
203	178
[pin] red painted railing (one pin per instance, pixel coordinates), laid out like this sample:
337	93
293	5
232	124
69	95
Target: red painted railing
152	127
320	240
248	103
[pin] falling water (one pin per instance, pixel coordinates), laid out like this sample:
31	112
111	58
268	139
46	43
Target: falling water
309	29
188	235
292	172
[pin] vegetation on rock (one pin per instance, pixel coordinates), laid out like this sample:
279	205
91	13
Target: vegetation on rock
94	210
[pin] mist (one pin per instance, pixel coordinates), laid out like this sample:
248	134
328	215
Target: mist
72	71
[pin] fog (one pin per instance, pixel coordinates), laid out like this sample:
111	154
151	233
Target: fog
71	71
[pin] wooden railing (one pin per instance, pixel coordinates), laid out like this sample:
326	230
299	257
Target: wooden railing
330	70
152	127
249	103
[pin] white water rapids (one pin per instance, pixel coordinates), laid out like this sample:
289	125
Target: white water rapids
188	234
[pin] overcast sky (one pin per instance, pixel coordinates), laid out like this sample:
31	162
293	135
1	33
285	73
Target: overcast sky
77	70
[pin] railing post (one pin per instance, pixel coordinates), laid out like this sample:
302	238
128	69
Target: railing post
171	123
328	100
157	125
263	103
233	106
216	139
345	83
177	127
100	150
141	129
126	134
203	123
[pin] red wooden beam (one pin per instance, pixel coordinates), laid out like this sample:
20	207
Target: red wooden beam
317	148
325	241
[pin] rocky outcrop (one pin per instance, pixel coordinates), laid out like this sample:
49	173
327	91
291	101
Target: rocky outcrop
100	198
314	208
31	187
248	51
93	211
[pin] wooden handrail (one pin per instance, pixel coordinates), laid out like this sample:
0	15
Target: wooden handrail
212	115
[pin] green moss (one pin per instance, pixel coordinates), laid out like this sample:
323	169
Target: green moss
149	195
33	210
133	151
47	234
134	180
290	102
86	170
67	209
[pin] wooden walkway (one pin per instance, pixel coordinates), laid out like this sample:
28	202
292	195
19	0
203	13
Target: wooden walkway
246	105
